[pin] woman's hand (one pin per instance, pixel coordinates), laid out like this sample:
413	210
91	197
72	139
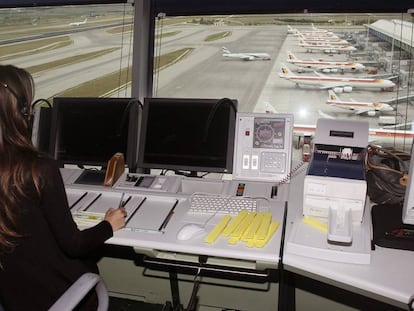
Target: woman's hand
116	217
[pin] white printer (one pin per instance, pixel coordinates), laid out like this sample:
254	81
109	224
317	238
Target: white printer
335	187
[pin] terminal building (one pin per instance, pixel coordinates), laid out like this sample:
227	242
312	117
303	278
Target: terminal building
397	54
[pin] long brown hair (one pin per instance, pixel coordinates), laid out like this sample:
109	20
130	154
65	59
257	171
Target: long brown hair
18	157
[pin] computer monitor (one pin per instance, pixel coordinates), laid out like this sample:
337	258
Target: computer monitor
89	131
188	134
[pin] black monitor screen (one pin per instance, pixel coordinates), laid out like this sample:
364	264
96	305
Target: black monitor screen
185	134
89	131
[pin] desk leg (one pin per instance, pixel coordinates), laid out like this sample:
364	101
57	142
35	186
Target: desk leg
287	298
175	292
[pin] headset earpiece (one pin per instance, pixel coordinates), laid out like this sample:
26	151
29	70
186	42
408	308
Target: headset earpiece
23	109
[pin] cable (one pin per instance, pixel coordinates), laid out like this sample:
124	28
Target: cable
192	303
210	117
291	174
125	115
41	100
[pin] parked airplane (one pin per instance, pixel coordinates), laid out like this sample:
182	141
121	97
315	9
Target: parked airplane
245	56
357	107
79	23
291	30
327	48
324	66
311	32
315	29
322	40
338	84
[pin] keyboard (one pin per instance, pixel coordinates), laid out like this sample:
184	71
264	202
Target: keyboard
211	204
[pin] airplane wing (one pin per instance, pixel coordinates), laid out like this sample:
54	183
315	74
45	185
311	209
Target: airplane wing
363	110
331	86
319	74
357	111
351	108
247	57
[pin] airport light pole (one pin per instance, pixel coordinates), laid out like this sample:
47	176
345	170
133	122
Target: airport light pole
392	45
368	26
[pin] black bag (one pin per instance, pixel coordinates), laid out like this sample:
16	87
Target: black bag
387	225
386	174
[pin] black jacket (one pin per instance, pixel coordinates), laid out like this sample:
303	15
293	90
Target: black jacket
53	253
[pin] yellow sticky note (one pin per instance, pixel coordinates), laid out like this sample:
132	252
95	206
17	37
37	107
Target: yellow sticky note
272	229
242	227
264	226
234	223
316	223
254	226
217	230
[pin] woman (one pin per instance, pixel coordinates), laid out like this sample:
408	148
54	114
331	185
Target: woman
42	252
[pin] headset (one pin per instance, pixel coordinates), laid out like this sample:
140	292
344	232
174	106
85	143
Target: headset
22	104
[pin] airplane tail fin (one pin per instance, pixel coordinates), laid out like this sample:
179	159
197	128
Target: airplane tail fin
291	56
284	71
332	96
225	50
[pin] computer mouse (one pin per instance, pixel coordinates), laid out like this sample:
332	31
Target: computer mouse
189	231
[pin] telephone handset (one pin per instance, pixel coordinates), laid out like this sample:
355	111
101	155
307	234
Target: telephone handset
263	146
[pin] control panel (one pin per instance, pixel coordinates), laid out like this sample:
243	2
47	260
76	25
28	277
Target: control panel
263	146
163	183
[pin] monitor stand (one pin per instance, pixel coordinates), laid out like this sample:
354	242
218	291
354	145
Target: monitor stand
91	177
188	174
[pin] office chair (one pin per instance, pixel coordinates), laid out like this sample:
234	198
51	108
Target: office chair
75	293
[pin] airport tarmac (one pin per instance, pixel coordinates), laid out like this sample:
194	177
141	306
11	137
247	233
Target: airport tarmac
256	84
308	103
205	73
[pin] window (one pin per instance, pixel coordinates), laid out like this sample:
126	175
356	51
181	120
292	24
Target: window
83	50
345	66
86	51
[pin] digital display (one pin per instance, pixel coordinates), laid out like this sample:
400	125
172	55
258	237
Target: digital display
341	134
269	133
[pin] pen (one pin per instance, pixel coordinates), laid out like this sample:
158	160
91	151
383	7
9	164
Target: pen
167	219
121	202
129	216
93	201
78	200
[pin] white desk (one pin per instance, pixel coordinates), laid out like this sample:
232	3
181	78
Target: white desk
160	250
165	240
388	278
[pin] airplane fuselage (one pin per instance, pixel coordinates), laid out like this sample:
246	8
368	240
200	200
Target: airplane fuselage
328	47
248	56
327	65
360	105
332	82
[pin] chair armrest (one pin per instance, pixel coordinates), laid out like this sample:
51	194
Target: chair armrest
78	290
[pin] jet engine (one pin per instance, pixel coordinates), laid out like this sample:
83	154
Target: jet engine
345	89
